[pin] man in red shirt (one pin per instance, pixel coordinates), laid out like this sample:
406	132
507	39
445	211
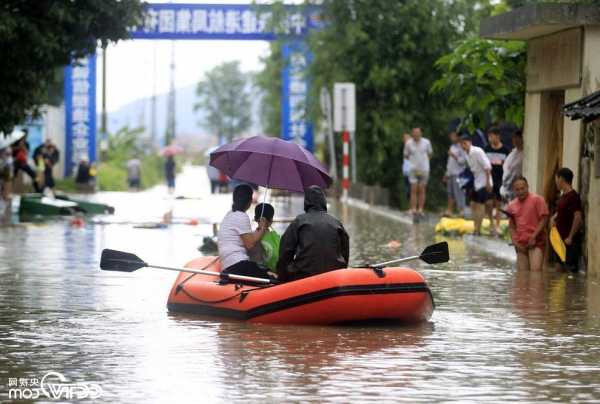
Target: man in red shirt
568	218
528	214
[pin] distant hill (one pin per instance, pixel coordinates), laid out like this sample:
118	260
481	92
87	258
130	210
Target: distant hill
138	114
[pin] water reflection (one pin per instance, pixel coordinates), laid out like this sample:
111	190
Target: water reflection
496	335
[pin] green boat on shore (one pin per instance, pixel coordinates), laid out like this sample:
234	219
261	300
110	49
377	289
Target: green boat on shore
61	205
87	207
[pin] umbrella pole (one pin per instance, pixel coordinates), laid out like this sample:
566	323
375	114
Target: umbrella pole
262	210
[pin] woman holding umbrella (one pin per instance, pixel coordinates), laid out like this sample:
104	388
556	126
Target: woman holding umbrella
268	162
236	238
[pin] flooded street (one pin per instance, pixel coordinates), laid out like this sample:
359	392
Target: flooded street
496	335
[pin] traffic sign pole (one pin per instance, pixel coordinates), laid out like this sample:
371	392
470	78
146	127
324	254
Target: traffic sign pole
327	111
345	164
345	122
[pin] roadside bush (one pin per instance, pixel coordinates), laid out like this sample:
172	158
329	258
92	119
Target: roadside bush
123	146
112	177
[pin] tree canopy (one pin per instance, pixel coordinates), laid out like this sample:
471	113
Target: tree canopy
487	78
388	49
268	81
224	96
38	37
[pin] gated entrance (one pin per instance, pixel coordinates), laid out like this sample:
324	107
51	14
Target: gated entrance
174	21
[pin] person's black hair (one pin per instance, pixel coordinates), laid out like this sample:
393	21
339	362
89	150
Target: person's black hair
518	133
519	178
454	125
266	210
494	129
465	136
242	196
566	174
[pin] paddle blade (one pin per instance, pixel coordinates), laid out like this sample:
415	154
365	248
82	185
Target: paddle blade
436	253
113	260
558	245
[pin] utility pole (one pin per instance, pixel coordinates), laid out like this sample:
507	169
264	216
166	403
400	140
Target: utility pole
171	104
103	120
153	103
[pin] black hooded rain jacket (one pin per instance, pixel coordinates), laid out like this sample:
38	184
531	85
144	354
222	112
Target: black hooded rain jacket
315	242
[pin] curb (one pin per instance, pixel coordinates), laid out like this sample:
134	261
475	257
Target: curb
498	249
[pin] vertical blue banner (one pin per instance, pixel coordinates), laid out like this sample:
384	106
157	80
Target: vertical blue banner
80	112
294	94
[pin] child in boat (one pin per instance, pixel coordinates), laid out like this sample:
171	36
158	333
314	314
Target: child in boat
266	253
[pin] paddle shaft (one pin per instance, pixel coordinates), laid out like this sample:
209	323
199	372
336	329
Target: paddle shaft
212	273
450	271
405	259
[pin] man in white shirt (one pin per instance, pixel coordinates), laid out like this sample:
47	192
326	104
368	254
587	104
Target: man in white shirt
457	162
483	183
418	151
134	173
406	168
513	166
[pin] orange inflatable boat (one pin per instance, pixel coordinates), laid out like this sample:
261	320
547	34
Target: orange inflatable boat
341	296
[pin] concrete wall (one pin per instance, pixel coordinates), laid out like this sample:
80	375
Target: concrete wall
537	146
554	61
541	138
590	83
532	141
544	76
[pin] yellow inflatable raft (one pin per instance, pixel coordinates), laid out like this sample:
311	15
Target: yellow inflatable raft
458	227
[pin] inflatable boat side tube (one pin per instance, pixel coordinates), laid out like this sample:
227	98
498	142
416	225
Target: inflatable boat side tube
353	290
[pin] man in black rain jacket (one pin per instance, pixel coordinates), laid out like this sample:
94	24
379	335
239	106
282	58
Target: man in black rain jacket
315	242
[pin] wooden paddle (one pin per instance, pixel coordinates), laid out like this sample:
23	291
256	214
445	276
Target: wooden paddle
113	260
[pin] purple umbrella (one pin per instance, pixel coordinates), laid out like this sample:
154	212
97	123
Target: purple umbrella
270	162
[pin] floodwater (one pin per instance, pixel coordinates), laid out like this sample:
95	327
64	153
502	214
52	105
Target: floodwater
496	335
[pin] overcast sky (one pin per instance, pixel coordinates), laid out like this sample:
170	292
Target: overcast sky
134	67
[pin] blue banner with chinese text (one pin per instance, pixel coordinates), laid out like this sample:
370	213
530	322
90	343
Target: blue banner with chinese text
221	21
80	112
294	95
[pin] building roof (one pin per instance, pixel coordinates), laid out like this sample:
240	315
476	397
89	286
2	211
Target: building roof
586	108
539	20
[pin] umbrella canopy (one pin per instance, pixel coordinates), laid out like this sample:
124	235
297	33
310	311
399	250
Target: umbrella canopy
171	150
270	162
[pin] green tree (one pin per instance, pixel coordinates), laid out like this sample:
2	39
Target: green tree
123	145
388	49
268	81
486	78
224	96
37	37
520	3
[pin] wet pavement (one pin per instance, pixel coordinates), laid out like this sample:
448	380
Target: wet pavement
496	335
